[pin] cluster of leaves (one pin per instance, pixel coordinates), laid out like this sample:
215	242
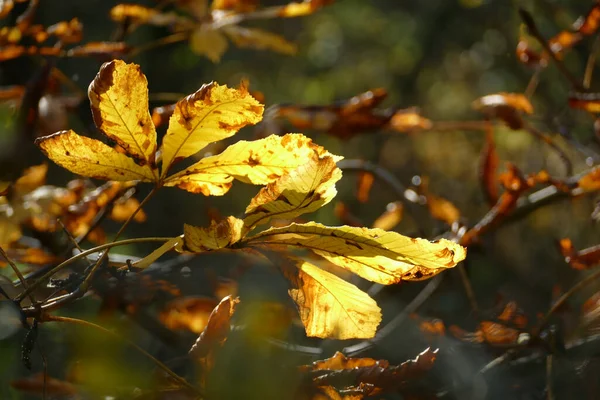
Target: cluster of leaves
207	27
300	178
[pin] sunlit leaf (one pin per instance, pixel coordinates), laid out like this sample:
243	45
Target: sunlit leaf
329	306
132	12
391	217
38	384
30	179
306	7
218	235
92	158
103	49
187	313
506	107
119	101
208	42
409	121
258	39
582	259
211	114
367	377
217	328
30	255
259	162
5	7
364	185
376	255
239	6
591	181
303	190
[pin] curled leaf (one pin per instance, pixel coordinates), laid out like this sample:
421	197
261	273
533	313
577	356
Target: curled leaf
218	236
217	328
303	190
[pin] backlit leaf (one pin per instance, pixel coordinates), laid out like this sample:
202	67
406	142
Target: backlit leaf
119	101
303	190
507	107
211	114
217	236
582	259
208	42
38	384
188	313
329	306
92	158
306	7
259	162
217	328
591	181
259	39
391	217
374	254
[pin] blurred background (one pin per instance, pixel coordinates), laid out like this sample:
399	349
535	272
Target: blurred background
437	55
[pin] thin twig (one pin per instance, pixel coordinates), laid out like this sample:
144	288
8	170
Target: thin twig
159	364
533	83
74	242
527	19
549	391
18	273
563	299
468	288
86	253
86	283
591	61
175	38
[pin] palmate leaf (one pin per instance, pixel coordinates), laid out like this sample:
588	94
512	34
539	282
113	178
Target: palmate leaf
329	306
374	254
119	100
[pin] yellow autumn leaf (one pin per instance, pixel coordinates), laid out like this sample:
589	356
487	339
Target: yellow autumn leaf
259	39
119	101
303	190
374	254
211	114
91	158
329	306
258	162
208	42
218	235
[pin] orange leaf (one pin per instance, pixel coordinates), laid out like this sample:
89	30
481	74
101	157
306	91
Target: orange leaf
188	313
391	217
488	167
365	183
217	328
582	259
